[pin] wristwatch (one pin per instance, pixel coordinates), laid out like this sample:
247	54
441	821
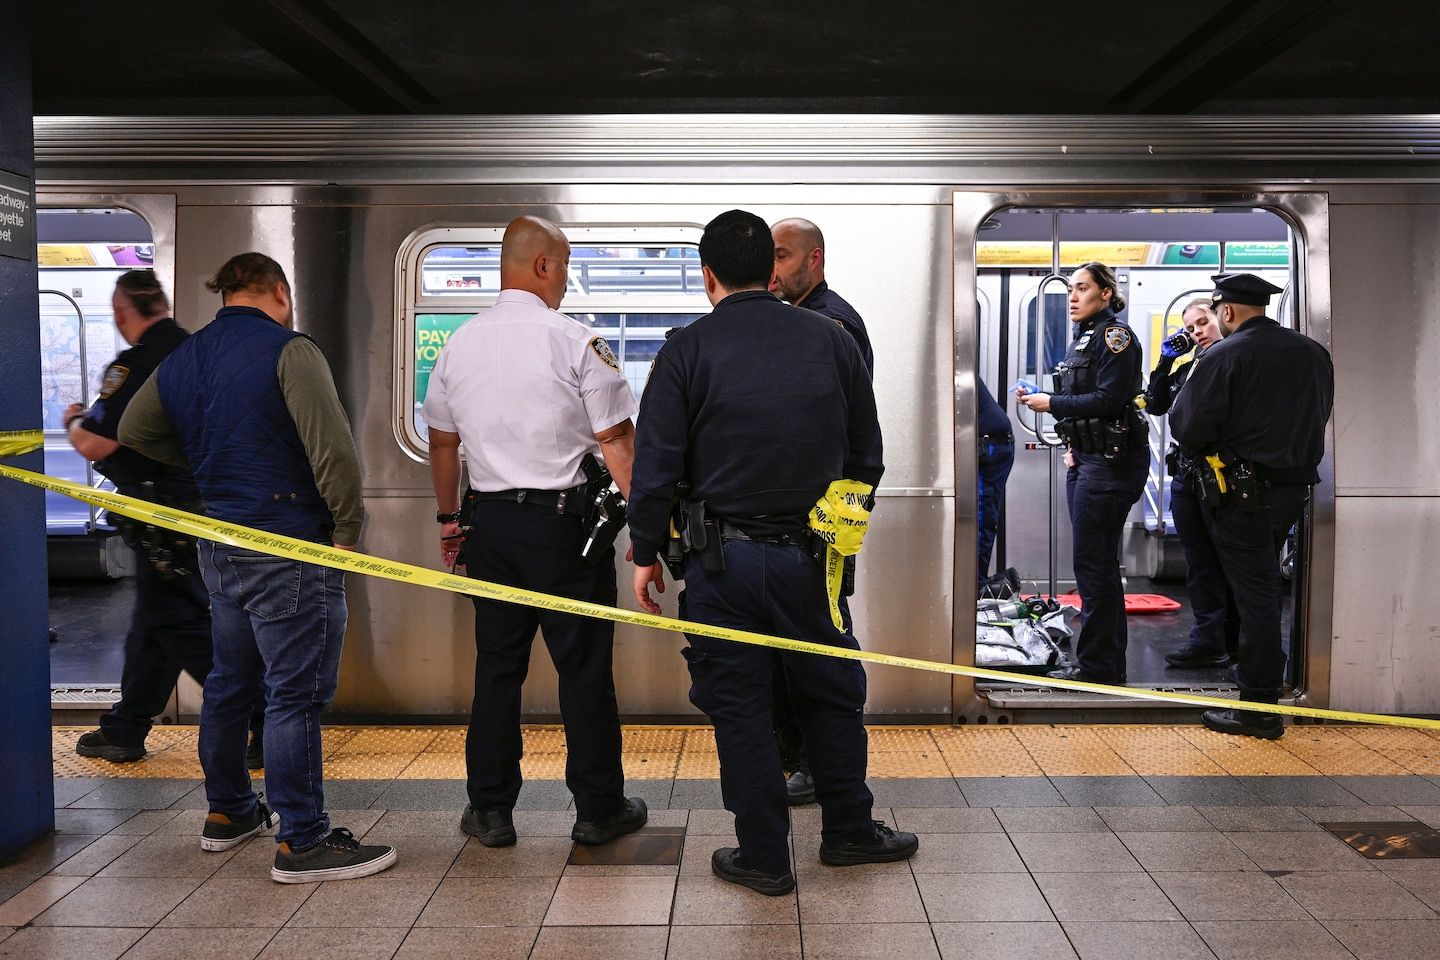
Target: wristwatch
448	517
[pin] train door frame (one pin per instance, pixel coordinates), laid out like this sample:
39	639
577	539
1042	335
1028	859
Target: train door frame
1308	214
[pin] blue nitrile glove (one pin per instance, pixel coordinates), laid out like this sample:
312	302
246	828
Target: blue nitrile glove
1025	385
1176	345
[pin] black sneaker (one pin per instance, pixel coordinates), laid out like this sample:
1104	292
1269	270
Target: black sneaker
800	786
222	833
1245	723
94	744
255	754
338	857
631	816
726	864
493	828
1191	655
885	846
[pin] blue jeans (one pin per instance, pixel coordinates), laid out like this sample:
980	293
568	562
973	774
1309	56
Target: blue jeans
283	622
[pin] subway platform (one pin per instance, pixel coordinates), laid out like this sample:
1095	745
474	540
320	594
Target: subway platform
1097	842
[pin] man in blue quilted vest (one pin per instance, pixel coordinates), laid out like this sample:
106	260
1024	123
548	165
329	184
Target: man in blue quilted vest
250	405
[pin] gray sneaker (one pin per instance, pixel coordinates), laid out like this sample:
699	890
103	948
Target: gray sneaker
338	857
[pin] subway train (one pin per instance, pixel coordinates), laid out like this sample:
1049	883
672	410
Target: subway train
952	237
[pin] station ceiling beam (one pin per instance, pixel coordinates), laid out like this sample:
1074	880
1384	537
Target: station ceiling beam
320	44
1241	37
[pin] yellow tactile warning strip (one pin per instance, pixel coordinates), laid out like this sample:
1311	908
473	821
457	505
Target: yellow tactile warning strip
688	753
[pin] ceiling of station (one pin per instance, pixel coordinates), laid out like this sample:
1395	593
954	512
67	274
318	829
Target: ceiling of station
313	57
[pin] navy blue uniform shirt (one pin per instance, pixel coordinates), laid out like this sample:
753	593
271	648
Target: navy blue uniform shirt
758	406
828	303
1104	366
1264	392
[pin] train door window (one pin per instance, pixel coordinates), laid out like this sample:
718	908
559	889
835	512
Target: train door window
630	285
80	253
1163	259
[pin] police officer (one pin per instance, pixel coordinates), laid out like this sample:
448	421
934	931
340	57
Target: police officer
759	407
800	279
1108	459
1257	405
1215	635
530	392
170	626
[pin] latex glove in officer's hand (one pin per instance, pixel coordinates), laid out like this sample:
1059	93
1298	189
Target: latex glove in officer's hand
1039	402
1023	387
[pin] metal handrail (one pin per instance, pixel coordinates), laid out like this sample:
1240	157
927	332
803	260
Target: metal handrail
84	384
1044	437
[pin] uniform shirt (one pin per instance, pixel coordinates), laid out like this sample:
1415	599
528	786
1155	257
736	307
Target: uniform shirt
1264	392
1104	364
527	388
1165	385
123	378
758	406
993	421
827	302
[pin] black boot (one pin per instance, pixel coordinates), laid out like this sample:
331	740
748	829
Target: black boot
1245	723
800	786
1193	655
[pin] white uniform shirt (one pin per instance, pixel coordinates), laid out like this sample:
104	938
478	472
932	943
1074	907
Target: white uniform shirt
527	388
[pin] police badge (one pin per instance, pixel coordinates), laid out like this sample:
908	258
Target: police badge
1117	339
114	379
603	351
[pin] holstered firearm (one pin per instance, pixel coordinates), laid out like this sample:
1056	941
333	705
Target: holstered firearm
674	553
606	513
1228	481
171	553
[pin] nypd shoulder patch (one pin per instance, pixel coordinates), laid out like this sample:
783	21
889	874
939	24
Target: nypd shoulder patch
1118	339
115	376
603	351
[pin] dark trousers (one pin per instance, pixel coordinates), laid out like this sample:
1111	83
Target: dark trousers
996	459
1217	621
531	546
777	589
1249	544
169	632
1100	496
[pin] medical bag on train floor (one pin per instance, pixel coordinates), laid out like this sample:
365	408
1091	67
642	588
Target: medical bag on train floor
1021	636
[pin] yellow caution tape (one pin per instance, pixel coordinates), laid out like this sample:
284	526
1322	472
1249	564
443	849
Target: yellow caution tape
309	552
840	519
13	443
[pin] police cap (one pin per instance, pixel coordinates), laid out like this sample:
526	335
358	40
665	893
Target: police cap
1242	288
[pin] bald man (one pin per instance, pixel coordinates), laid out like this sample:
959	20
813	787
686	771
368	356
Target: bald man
800	279
529	392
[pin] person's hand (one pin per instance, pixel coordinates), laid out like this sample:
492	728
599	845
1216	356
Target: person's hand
450	542
74	410
1023	387
1039	402
1176	346
1069	458
343	546
644	576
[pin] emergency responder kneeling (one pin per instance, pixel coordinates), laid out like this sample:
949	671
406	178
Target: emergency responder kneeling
753	420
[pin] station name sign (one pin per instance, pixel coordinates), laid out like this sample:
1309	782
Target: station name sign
17	218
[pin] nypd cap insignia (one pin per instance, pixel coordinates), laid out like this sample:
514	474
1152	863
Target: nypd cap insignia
1242	288
603	351
1118	339
115	376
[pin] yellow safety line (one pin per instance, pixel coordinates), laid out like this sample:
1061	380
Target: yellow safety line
372	566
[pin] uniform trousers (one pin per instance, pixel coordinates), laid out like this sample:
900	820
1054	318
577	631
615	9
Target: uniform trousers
1249	543
169	632
996	459
531	546
1100	493
777	589
1217	621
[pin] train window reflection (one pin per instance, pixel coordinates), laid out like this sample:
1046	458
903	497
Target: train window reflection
630	285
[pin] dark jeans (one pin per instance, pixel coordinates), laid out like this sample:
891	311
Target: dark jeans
530	546
996	459
779	590
1249	544
169	632
1099	495
1217	621
282	621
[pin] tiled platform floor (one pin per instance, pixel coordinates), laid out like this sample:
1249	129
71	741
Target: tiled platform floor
1046	862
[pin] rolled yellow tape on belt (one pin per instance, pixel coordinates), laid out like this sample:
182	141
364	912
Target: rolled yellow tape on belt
840	519
308	552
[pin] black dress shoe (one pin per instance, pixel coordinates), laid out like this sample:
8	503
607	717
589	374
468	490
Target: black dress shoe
800	786
727	865
1245	723
631	816
1191	655
1076	673
493	828
94	744
884	846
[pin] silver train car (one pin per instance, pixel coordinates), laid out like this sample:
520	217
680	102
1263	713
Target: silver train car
945	233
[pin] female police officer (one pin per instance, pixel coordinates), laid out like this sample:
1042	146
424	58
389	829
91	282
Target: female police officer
1216	634
1108	459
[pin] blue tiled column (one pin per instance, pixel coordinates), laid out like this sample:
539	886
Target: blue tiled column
26	790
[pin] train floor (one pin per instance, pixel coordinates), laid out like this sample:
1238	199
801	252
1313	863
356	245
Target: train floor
1096	841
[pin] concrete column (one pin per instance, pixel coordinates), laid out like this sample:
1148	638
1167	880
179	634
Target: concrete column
26	791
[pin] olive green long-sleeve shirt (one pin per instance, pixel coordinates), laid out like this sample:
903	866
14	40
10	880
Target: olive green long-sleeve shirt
314	405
